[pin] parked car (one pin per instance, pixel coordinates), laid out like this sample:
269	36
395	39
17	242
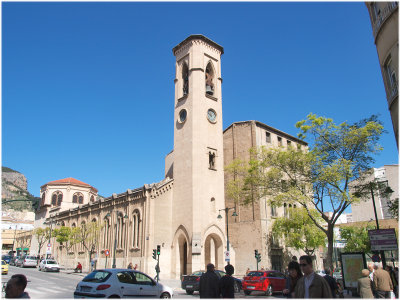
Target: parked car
120	283
27	261
49	265
13	261
4	267
265	281
19	261
190	283
6	258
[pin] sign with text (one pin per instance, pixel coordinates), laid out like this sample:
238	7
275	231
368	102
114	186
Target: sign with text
383	239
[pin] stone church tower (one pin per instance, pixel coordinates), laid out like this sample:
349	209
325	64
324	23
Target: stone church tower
198	164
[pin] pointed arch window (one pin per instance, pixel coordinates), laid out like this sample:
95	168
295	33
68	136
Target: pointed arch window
136	229
56	198
210	82
185	79
43	198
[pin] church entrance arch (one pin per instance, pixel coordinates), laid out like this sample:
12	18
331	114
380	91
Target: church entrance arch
180	254
213	251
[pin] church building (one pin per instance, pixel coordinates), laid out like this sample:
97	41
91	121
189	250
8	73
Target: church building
182	213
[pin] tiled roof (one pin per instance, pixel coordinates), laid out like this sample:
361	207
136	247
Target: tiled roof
71	181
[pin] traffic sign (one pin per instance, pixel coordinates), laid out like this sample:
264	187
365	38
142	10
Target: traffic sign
48	245
227	256
376	258
48	250
383	239
106	252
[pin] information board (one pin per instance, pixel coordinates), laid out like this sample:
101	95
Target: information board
383	239
352	265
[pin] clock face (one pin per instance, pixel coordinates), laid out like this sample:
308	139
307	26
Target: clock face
211	115
182	115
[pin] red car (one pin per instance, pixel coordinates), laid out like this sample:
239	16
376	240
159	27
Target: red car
265	281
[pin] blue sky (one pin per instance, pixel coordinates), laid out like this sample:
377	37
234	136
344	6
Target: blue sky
88	88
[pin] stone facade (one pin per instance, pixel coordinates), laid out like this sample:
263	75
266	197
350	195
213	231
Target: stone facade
385	28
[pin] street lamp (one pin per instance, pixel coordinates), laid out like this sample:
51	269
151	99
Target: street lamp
226	221
115	238
388	191
15	234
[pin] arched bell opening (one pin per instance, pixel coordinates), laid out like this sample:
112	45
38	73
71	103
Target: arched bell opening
185	79
210	79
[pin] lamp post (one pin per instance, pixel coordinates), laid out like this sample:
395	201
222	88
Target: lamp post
50	222
226	221
15	234
114	265
388	190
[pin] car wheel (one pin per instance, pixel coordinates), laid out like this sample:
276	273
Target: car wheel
247	293
165	296
269	291
189	292
237	287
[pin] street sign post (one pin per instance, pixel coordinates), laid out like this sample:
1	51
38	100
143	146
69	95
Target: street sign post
383	239
106	253
227	256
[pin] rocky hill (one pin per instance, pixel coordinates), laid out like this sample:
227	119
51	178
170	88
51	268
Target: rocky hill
14	186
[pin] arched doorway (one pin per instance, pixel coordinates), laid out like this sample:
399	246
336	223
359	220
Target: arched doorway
180	263
213	251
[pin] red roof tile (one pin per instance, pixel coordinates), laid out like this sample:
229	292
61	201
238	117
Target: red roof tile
71	181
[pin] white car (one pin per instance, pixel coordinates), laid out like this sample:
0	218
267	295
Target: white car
120	283
49	265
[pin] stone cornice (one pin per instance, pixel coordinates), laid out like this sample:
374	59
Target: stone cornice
197	38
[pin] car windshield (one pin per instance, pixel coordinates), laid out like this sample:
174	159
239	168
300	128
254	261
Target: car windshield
255	274
97	276
31	257
6	257
51	262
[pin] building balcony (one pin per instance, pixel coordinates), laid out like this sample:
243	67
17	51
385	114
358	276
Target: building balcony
383	16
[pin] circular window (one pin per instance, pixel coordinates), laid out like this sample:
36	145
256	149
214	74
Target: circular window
182	115
212	115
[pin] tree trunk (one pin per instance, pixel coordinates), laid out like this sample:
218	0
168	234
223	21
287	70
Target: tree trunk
330	246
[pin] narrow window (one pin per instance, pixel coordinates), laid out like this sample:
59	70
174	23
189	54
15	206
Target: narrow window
268	137
273	210
134	231
92	198
285	212
56	198
289	144
185	79
279	141
211	160
75	198
391	76
43	198
59	199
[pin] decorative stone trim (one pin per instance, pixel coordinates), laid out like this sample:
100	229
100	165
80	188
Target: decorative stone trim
211	97
182	98
196	69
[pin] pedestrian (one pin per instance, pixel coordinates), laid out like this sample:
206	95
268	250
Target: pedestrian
130	266
311	285
227	283
208	286
16	287
382	282
294	274
331	281
365	285
247	271
395	284
135	267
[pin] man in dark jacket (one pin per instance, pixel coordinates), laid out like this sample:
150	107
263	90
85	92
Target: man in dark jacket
209	287
227	283
331	281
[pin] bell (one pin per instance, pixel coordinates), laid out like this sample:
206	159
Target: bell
209	90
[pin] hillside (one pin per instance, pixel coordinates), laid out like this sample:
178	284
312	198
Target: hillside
14	186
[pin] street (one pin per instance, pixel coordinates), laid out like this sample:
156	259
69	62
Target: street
62	285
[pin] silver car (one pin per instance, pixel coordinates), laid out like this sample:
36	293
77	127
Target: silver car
49	265
120	283
27	261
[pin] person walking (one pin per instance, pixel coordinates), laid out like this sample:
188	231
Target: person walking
382	282
365	286
393	277
209	287
130	266
294	274
311	285
331	281
227	283
15	287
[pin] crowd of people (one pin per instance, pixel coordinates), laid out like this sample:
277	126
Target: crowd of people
376	282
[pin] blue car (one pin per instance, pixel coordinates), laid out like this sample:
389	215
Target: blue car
6	258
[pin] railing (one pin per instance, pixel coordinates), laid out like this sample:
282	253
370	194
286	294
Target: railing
386	12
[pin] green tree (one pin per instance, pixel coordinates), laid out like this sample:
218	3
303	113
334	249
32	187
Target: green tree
41	235
394	208
67	236
356	237
299	231
89	236
318	178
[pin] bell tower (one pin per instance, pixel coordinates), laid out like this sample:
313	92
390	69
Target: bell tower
198	164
